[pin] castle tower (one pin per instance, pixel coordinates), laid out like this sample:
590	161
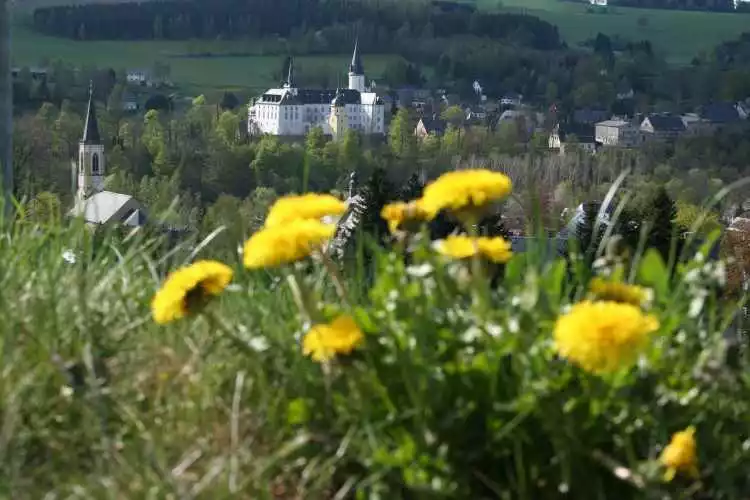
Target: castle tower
356	70
337	119
90	154
289	84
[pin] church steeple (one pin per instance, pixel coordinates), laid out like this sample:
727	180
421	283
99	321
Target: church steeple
290	75
91	128
356	68
91	162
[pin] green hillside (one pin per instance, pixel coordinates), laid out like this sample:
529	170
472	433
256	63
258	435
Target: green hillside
199	74
679	35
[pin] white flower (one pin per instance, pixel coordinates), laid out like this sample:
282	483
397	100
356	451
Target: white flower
258	344
696	305
471	334
420	271
69	257
494	330
513	325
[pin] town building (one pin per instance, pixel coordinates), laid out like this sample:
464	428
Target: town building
582	136
511	99
721	113
662	127
92	202
291	111
431	125
619	133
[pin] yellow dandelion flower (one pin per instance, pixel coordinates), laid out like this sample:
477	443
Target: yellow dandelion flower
324	342
404	216
188	289
306	206
278	245
619	292
463	247
603	337
466	193
680	455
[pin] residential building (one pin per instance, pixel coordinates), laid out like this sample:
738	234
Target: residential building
721	113
582	136
475	114
291	111
137	77
662	127
695	125
617	133
511	99
743	108
430	126
130	103
92	202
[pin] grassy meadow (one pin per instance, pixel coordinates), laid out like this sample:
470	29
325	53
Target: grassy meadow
678	35
494	376
251	72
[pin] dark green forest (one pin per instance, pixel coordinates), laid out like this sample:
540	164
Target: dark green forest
257	18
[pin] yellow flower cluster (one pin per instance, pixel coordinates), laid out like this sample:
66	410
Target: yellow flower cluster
495	250
306	206
603	337
680	455
619	292
324	341
465	193
293	230
404	216
188	289
279	245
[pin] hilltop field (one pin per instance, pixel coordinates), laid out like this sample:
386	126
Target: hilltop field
678	35
204	74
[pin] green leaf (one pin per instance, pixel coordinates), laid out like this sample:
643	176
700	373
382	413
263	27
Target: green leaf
297	412
653	272
553	281
514	269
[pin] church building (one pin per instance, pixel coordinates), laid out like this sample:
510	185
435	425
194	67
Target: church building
290	111
92	202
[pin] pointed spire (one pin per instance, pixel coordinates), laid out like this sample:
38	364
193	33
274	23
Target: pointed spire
290	75
91	128
356	67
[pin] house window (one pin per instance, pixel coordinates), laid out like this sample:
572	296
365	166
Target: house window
95	164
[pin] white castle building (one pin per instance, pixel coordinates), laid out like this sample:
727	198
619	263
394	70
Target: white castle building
293	112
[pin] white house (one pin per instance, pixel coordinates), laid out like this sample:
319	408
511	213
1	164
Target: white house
291	111
137	77
511	99
618	133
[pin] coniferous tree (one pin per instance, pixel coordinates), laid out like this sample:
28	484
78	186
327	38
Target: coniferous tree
377	192
661	214
587	233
